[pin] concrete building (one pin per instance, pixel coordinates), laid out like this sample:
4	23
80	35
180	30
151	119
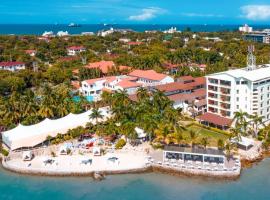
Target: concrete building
245	29
246	89
150	78
258	37
12	66
95	87
74	50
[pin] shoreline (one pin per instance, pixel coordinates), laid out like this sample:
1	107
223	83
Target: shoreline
147	169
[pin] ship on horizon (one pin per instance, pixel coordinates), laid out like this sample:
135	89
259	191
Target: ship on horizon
74	25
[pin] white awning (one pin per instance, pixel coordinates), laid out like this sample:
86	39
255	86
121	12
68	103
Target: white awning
30	136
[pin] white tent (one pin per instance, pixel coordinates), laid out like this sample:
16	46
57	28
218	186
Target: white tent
30	136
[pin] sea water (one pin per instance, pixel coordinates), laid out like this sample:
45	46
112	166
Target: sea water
254	184
38	29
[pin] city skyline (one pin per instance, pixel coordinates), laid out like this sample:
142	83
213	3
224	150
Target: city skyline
135	12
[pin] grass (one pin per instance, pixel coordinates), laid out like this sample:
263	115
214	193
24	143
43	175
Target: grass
212	136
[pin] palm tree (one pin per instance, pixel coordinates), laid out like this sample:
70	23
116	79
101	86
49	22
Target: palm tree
142	94
240	119
193	135
205	142
96	115
256	122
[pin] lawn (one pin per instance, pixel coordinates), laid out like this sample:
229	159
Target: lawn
212	136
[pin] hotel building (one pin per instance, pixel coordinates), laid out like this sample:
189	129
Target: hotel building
246	89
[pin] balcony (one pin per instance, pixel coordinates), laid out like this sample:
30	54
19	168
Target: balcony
224	113
212	88
213	103
213	110
212	95
225	83
225	106
225	91
213	81
225	98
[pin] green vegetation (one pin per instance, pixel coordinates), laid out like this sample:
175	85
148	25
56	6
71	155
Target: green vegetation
4	152
120	144
29	96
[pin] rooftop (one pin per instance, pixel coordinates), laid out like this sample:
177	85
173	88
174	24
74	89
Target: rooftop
260	73
207	151
215	119
10	64
148	74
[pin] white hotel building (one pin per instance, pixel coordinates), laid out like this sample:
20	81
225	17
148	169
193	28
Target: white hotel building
246	89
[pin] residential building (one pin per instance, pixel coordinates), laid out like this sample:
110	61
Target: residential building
74	50
258	37
95	87
106	66
187	93
245	29
12	66
62	33
246	89
31	52
150	78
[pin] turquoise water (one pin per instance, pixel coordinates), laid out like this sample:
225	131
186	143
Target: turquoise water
254	184
88	98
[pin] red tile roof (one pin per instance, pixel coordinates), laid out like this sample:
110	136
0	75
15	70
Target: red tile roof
148	74
128	84
185	78
169	87
10	64
215	119
70	58
75	84
181	97
134	43
91	81
30	51
104	66
201	102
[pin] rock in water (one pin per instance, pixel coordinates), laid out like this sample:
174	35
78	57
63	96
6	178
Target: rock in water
98	176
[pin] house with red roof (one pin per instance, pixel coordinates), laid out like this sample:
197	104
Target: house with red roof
95	87
188	93
74	50
12	66
151	77
106	66
31	52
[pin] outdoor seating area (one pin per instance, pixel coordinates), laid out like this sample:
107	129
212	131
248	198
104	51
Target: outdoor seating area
196	159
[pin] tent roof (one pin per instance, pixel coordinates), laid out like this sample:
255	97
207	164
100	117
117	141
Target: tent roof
30	136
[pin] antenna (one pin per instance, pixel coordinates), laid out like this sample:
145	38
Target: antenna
35	66
251	59
84	60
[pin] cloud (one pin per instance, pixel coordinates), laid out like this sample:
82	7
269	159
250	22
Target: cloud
200	15
256	12
146	14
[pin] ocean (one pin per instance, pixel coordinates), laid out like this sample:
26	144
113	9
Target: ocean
254	183
38	29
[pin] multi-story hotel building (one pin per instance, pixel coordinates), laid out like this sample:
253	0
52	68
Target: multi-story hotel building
246	89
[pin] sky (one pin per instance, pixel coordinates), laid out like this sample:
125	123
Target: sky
135	11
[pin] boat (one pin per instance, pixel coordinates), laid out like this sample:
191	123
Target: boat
74	25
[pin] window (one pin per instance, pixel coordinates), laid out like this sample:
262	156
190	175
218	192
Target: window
237	98
237	106
237	91
237	82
